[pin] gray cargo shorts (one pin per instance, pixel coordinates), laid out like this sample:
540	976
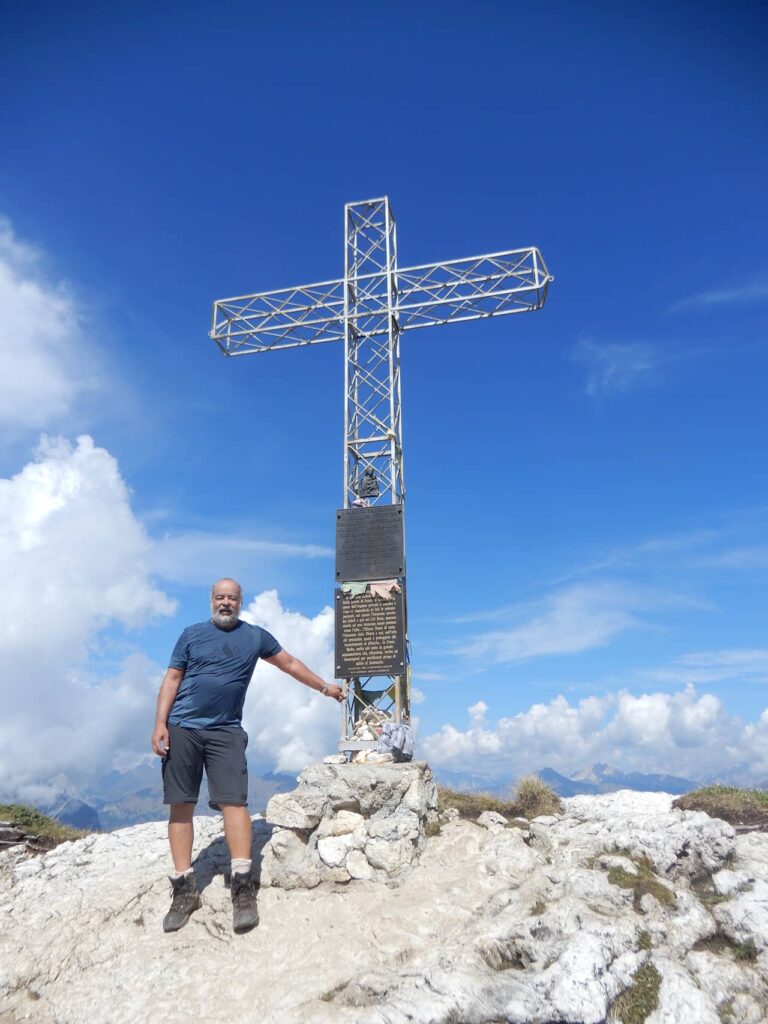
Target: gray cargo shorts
220	751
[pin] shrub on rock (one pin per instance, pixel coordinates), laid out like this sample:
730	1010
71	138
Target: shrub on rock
533	797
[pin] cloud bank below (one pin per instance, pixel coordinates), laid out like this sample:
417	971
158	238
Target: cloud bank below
683	733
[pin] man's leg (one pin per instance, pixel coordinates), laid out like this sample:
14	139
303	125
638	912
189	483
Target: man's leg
181	834
182	772
227	771
237	829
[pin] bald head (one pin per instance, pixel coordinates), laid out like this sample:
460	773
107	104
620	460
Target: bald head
226	601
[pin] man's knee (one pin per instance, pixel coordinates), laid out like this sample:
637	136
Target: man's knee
234	810
181	813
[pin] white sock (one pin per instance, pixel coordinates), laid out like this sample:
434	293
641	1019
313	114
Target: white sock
241	866
180	874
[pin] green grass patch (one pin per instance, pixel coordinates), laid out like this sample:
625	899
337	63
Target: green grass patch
721	945
637	1003
622	851
704	890
737	806
645	881
746	952
49	831
644	940
530	798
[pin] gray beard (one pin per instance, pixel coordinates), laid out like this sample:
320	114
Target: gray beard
224	621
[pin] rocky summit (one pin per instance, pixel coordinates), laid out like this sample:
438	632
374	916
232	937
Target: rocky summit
620	905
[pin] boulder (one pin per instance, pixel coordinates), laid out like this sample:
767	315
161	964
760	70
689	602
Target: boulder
378	812
492	819
288	862
301	809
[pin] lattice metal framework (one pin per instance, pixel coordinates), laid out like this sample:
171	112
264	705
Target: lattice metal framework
368	309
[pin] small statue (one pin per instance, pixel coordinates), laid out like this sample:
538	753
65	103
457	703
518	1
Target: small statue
368	486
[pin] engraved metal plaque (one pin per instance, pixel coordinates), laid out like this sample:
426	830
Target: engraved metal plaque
370	635
369	543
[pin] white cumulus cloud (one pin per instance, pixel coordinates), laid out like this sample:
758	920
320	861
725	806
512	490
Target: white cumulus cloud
683	733
73	558
288	723
45	362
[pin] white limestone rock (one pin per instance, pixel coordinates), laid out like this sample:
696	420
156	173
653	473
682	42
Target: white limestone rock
491	820
288	861
607	861
334	849
390	856
300	809
10	859
728	883
680	998
357	865
744	917
403	825
677	928
340	824
481	927
377	790
379	810
732	987
678	843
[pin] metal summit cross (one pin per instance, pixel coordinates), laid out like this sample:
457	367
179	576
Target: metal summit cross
368	309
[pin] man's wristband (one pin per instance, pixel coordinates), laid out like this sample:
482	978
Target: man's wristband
324	689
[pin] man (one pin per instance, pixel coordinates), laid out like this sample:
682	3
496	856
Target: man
199	709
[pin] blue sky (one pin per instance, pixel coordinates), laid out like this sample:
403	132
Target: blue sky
587	499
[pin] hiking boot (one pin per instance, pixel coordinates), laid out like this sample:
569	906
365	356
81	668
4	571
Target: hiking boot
186	900
244	912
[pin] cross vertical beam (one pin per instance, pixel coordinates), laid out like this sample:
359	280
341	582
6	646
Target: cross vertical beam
373	409
372	414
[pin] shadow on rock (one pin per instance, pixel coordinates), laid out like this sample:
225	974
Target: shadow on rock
215	860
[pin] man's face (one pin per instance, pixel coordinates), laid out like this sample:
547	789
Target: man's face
226	599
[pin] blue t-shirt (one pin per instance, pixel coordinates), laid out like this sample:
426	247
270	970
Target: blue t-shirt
218	665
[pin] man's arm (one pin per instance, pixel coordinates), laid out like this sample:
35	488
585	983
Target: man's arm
287	663
165	698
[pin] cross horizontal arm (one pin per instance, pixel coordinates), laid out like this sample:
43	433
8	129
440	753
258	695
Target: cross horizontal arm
306	315
495	284
468	289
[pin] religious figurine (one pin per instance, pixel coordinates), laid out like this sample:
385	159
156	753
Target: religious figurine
368	486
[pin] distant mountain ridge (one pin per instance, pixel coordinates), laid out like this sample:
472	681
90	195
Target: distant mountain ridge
654	782
599	778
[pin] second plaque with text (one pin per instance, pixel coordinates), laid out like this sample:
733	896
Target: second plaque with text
370	635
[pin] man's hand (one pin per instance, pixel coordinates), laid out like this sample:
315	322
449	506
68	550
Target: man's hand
165	698
332	690
160	740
